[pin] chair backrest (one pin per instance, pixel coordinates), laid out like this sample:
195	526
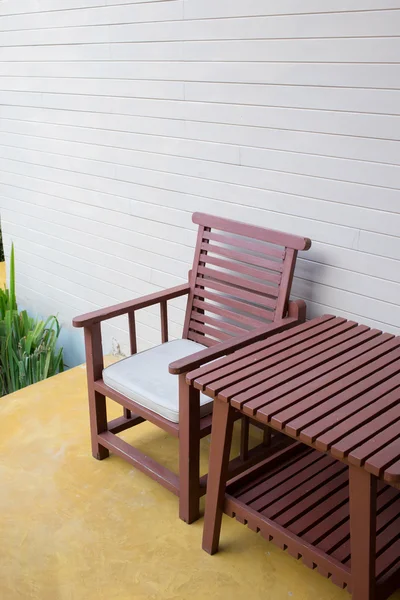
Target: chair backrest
241	278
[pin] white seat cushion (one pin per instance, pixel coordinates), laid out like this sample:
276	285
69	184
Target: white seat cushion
145	379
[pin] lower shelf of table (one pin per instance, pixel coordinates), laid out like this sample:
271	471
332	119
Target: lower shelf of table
299	499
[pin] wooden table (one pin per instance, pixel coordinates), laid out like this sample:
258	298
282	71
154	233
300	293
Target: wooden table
331	497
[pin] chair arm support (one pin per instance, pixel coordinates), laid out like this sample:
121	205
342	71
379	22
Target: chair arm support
194	361
131	306
298	310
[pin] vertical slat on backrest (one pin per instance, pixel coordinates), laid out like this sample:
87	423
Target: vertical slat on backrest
289	264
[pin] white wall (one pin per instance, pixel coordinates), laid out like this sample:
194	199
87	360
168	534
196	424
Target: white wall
120	118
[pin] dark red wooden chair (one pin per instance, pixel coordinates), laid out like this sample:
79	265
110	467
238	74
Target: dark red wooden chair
238	292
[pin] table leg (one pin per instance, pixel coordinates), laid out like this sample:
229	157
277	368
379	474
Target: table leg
362	533
267	436
221	439
244	438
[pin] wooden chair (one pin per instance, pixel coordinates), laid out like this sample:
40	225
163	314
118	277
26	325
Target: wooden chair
238	292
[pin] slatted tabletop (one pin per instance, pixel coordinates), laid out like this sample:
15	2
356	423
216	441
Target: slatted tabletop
330	383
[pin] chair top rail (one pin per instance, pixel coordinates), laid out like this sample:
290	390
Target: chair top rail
252	231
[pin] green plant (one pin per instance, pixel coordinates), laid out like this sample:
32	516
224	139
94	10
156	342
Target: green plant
28	350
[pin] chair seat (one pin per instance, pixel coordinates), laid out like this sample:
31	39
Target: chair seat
145	379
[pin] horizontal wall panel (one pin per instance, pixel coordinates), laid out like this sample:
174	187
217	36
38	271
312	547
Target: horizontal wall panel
207	9
311	26
388	245
192	8
99	121
330	24
315	309
10	7
365	50
98	87
322	166
101	15
319	98
374	76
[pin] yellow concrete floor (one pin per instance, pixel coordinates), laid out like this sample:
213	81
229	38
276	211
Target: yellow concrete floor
3	274
73	528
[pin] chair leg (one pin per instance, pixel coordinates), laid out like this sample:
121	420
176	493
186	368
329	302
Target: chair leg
98	423
221	440
97	402
189	451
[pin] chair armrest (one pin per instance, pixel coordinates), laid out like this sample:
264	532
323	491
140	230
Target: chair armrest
194	361
104	314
